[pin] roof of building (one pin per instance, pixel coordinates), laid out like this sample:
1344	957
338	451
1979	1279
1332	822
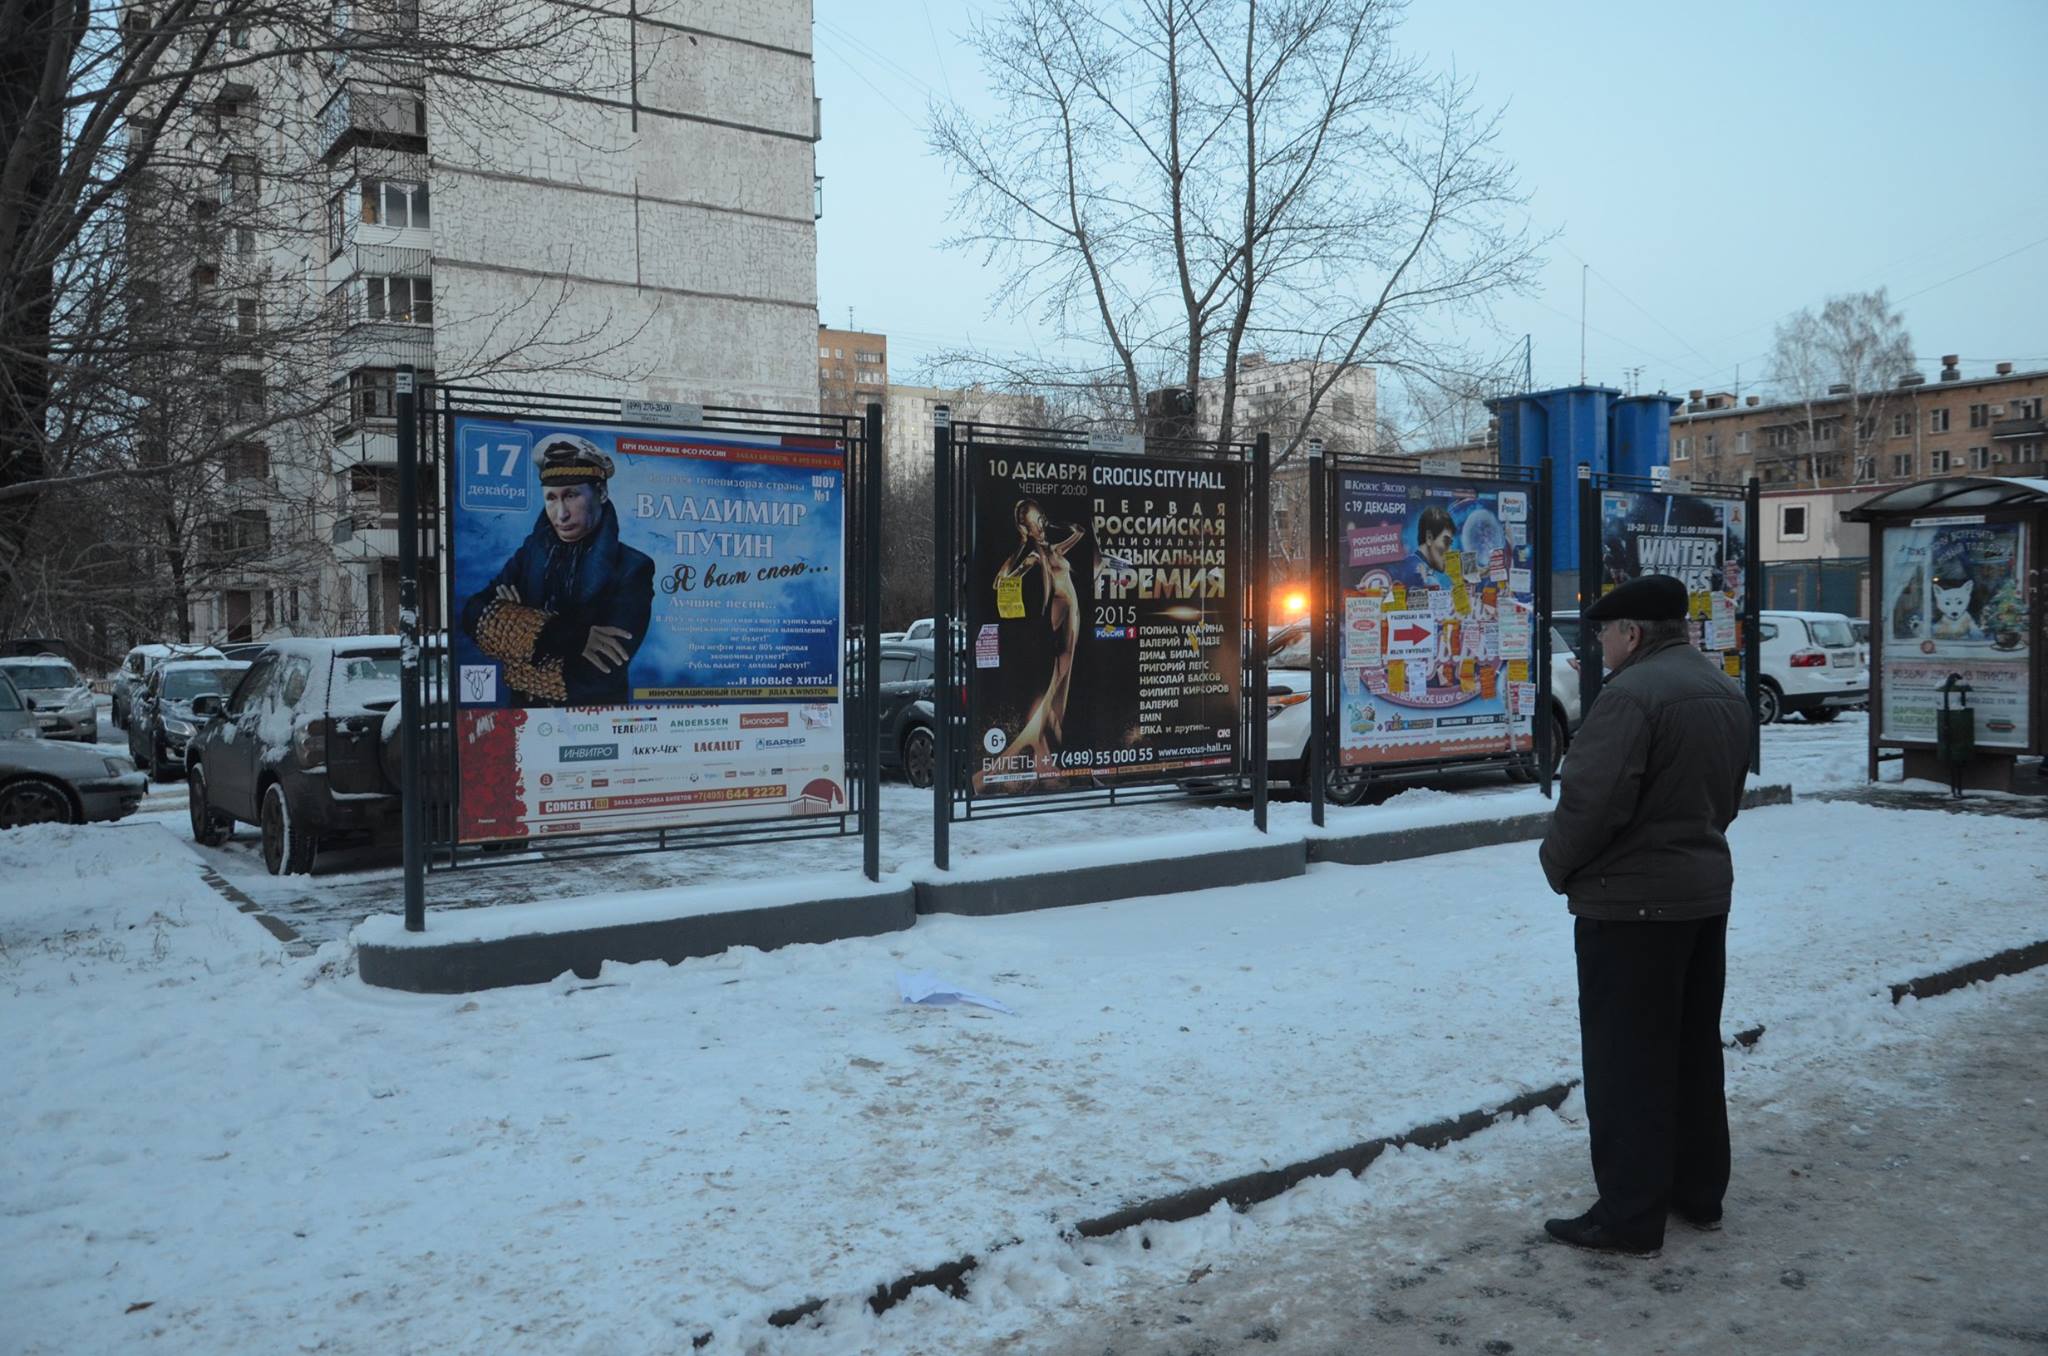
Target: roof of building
1917	388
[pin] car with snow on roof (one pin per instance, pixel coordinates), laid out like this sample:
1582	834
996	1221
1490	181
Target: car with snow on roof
297	749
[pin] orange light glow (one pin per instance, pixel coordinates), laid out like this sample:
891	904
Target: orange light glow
1295	603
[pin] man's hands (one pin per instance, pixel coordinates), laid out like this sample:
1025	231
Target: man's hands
507	593
605	649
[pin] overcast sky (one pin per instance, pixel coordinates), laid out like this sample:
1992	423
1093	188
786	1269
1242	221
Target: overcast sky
1717	165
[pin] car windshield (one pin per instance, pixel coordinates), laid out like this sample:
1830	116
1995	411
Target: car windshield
50	674
1287	648
182	685
1830	631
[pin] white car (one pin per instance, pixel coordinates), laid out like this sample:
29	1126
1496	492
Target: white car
921	629
62	701
1287	713
1810	665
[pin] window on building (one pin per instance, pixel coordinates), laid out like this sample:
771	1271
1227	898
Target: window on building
1742	443
1902	465
1937	421
395	202
1980	415
238	37
245	241
1980	458
337	226
246	319
404	301
2029	408
372	394
244	391
2027	453
1792	522
1902	426
1937	460
1681	449
1707	446
246	461
824	352
238	182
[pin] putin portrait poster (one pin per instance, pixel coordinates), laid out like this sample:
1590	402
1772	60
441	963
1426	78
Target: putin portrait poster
647	627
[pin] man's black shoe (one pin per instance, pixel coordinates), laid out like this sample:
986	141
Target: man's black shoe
1588	1233
1706	1224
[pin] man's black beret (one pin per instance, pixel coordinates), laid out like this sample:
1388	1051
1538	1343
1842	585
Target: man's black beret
1654	597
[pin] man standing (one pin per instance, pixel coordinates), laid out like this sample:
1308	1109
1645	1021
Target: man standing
1637	847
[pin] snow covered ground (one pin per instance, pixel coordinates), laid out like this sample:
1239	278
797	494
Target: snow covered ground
353	884
270	1156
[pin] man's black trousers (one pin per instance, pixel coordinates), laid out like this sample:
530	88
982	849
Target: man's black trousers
1650	1036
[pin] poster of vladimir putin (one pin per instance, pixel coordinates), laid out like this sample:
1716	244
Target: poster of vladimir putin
569	608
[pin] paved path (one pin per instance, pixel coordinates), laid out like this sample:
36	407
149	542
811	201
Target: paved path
1886	1201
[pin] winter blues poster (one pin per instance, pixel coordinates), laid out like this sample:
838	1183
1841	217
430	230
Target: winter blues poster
1700	541
1955	602
647	625
1437	639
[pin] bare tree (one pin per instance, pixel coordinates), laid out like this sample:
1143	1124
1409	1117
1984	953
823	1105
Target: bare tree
1174	184
168	184
1841	367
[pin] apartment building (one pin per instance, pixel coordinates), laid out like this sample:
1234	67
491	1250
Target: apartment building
853	370
625	209
1273	398
1816	459
907	419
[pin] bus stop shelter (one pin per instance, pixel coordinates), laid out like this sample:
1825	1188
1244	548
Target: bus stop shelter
1958	624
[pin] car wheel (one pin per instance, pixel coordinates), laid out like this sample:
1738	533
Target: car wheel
920	757
208	828
1770	703
1821	715
35	800
160	769
287	848
1346	786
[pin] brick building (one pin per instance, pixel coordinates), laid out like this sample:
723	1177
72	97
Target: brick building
853	369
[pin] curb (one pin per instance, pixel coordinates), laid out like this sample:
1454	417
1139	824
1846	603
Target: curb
1255	1188
1281	859
282	931
467	966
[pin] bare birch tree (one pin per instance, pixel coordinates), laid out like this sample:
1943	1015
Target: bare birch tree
1841	366
1175	184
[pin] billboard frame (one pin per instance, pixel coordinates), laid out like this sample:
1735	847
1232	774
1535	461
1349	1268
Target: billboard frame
431	782
955	445
1325	509
1592	484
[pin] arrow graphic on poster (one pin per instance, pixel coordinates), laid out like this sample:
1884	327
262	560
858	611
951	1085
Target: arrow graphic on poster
1411	635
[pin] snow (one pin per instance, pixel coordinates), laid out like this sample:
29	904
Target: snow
277	1157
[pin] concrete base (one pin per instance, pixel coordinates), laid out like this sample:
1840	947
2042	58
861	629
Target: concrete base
465	965
1984	772
1277	860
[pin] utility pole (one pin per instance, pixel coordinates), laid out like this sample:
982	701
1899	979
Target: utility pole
1584	269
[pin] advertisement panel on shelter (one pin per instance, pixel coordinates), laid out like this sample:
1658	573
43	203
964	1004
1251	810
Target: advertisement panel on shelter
1104	609
1437	647
1700	541
647	626
1955	602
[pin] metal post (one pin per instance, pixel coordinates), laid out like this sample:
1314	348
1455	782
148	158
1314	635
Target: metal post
1262	510
943	694
1323	597
871	646
1587	643
409	652
1752	618
1540	562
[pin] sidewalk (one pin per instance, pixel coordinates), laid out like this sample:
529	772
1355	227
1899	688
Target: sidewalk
270	1154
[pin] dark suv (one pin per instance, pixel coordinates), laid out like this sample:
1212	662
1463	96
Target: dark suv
907	712
297	749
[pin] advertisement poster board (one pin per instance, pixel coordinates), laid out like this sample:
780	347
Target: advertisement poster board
1104	606
1700	541
1437	638
648	626
1955	602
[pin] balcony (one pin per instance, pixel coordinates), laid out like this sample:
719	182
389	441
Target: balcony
2019	428
366	114
363	537
371	442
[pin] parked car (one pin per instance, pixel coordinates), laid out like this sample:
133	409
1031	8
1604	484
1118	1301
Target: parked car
1287	714
908	713
44	782
297	750
128	678
245	649
162	723
921	629
62	701
1862	631
1811	666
